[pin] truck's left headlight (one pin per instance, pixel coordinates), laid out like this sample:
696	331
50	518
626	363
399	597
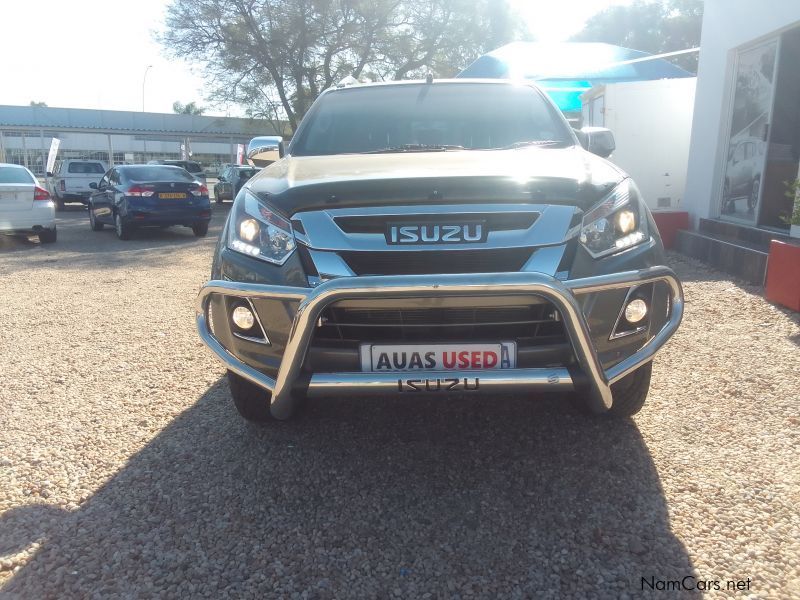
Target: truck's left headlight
617	223
257	230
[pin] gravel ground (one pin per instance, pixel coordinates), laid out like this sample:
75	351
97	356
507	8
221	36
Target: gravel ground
125	471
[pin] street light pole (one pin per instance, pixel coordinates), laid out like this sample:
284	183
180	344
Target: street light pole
144	79
144	138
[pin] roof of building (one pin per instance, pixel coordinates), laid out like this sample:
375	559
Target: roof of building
117	121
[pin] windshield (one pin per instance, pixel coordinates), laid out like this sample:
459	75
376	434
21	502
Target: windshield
86	168
472	116
15	175
156	173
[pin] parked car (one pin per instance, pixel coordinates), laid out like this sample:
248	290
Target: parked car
25	207
448	237
195	168
132	196
70	179
231	180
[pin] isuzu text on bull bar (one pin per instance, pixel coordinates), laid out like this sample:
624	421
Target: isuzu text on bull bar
439	237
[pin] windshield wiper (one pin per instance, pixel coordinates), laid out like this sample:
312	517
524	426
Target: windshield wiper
531	143
416	148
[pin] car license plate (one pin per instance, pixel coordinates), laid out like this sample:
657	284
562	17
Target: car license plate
438	357
172	195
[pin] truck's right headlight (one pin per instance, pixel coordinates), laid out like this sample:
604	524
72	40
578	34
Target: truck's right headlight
257	230
617	223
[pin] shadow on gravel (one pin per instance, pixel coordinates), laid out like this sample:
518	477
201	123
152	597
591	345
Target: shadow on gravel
506	498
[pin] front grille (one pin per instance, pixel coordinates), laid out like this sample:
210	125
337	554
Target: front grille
531	324
424	262
497	221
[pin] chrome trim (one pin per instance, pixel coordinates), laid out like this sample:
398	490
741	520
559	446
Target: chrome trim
258	150
495	381
329	265
548	229
614	335
545	260
561	294
249	338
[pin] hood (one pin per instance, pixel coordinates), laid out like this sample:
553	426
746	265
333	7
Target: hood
528	175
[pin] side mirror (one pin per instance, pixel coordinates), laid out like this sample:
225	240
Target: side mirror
93	185
597	140
281	149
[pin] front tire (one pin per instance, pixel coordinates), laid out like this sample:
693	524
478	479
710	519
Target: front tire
48	236
124	231
93	223
200	230
630	392
251	401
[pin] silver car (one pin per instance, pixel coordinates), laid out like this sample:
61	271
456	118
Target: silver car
25	207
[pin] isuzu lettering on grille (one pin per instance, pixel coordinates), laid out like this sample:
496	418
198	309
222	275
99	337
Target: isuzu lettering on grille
436	234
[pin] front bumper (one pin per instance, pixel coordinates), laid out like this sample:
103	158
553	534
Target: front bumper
156	218
74	196
589	377
42	215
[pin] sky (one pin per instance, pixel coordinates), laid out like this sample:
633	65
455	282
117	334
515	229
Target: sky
94	53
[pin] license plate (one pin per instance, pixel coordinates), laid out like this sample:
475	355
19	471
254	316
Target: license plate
438	357
172	195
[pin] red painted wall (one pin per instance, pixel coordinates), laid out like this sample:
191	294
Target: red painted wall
783	274
668	225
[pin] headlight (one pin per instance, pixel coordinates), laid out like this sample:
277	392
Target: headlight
617	223
256	230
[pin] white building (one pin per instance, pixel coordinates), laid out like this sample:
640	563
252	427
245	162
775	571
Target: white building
122	137
745	142
652	124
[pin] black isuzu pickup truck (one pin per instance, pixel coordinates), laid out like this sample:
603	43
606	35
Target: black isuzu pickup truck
439	237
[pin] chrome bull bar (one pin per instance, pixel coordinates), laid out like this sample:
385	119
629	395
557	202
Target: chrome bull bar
562	294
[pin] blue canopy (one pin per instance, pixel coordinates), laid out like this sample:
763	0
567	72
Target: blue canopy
565	70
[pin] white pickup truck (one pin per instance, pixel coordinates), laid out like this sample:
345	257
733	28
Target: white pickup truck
70	179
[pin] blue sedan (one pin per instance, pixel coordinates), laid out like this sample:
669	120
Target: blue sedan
133	196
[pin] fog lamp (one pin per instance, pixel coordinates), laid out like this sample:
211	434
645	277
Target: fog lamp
626	221
249	229
636	310
243	317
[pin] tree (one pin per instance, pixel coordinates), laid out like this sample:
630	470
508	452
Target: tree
187	109
38	104
276	56
651	26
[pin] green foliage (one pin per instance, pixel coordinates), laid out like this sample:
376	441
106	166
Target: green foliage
277	56
650	25
187	109
793	192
